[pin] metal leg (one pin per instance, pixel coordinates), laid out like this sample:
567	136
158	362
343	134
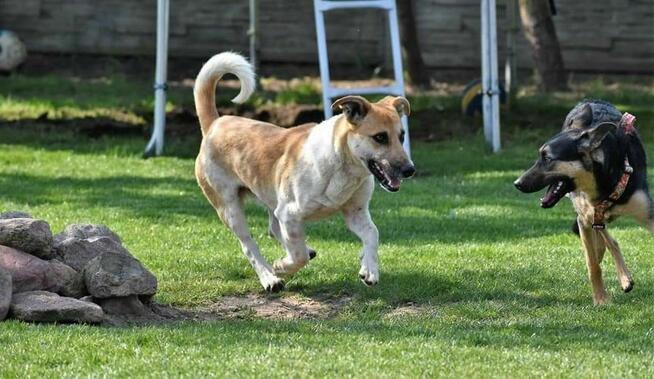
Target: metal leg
397	67
252	32
156	144
490	81
323	58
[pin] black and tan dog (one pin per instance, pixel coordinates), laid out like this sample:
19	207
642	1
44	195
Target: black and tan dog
599	160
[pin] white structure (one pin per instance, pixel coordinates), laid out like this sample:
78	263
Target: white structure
489	78
155	146
490	82
328	91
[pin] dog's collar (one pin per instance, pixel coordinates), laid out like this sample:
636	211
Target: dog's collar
627	122
604	205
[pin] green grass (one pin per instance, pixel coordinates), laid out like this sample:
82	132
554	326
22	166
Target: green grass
505	280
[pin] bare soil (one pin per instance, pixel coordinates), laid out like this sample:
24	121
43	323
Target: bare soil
265	307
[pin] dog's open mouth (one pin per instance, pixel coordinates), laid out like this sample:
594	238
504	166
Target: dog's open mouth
388	182
555	192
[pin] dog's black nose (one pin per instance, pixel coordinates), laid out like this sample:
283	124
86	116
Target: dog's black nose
408	171
518	184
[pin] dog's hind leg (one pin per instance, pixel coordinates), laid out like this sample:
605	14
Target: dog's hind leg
275	232
624	276
229	207
594	251
234	217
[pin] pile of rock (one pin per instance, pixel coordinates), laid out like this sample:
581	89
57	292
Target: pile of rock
83	274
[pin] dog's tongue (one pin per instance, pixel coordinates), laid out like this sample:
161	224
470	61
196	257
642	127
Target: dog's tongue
395	183
551	196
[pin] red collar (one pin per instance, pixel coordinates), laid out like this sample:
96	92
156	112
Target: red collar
602	206
627	122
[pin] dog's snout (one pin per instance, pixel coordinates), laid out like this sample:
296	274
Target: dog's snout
408	171
519	185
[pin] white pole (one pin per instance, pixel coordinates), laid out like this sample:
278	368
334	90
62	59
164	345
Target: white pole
490	80
156	144
252	32
323	58
397	67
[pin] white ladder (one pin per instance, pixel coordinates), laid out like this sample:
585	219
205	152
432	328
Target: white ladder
330	92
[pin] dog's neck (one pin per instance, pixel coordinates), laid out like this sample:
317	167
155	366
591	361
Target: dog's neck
610	169
337	154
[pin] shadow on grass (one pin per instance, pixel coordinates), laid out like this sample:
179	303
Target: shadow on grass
132	194
148	197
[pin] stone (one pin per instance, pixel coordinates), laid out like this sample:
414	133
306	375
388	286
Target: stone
30	273
27	234
70	281
5	293
77	253
14	214
43	306
118	275
86	231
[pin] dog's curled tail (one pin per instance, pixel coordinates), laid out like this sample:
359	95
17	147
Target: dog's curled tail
204	91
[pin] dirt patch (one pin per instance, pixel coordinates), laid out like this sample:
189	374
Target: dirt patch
238	307
277	308
266	307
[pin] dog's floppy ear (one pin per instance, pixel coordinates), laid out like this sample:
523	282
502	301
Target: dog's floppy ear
582	119
591	139
402	106
355	108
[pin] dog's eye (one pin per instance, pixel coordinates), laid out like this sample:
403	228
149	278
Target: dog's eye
381	138
402	137
546	158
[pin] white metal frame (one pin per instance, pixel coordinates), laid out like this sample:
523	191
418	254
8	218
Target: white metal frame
330	92
490	80
156	144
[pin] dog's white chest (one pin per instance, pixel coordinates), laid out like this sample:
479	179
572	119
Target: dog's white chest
340	189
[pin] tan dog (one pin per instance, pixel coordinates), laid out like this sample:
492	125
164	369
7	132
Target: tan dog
303	173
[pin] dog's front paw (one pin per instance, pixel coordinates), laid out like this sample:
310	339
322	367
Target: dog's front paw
272	284
369	277
285	269
627	284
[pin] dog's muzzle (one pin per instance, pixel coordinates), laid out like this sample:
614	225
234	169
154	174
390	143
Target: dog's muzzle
389	176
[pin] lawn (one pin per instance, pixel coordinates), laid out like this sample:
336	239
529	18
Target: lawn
498	285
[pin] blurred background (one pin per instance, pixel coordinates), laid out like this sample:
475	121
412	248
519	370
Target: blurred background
96	59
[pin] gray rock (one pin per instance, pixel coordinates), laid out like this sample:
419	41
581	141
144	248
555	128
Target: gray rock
42	306
27	234
77	253
14	214
85	231
5	293
70	281
30	273
118	275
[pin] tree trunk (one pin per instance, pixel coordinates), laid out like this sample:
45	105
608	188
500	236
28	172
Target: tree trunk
540	32
415	66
